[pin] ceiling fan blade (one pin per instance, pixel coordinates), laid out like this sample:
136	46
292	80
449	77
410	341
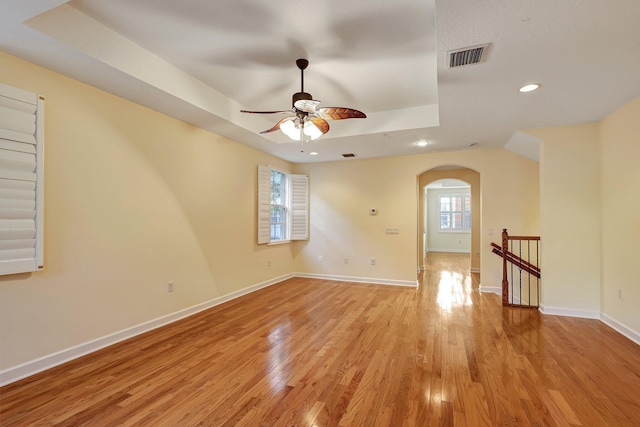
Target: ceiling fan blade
320	123
277	125
306	105
339	113
266	112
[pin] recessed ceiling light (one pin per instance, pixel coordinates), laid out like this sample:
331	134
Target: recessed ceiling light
529	88
423	143
313	153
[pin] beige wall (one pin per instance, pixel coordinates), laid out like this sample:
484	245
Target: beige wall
133	200
589	210
343	192
570	218
620	153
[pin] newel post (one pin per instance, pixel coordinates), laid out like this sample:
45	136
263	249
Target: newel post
505	282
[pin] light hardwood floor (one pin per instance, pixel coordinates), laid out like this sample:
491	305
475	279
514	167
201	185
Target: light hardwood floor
319	353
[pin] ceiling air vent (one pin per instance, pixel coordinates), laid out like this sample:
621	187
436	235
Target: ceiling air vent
467	55
348	155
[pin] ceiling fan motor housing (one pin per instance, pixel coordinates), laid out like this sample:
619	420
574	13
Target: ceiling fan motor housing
300	95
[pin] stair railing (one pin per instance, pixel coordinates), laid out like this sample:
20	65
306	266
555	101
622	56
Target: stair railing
522	268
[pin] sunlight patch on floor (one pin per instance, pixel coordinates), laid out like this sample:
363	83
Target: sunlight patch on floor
454	290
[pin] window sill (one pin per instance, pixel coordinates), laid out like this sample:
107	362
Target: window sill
454	231
278	242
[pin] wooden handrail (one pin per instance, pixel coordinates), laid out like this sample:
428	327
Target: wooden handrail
519	262
523	237
513	259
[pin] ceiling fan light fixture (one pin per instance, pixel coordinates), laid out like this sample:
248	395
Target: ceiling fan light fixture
311	130
305	121
290	129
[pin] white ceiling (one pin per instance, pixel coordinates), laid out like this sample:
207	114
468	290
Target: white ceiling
203	61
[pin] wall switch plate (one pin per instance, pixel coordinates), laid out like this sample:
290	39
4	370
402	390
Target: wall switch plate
170	287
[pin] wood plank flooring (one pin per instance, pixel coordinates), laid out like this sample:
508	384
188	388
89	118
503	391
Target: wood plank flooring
319	353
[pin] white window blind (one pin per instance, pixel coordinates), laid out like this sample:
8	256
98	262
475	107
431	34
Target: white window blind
297	207
21	180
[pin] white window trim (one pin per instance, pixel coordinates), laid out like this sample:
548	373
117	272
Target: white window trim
298	206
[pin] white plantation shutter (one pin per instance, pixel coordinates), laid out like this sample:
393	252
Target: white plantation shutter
21	180
299	207
264	204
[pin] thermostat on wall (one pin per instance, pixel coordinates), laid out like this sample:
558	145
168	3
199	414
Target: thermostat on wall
373	211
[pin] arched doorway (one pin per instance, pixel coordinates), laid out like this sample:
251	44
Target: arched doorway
451	172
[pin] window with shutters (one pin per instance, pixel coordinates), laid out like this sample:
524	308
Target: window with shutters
21	180
283	200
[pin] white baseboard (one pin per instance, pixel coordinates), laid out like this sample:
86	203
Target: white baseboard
462	251
623	329
32	367
491	289
570	312
46	362
372	280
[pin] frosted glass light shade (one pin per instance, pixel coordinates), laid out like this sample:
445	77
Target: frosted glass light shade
290	129
312	131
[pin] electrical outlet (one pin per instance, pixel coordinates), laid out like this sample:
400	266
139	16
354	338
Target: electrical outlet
346	260
321	258
269	263
170	287
372	261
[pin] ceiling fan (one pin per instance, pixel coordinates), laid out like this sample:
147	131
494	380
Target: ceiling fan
304	121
